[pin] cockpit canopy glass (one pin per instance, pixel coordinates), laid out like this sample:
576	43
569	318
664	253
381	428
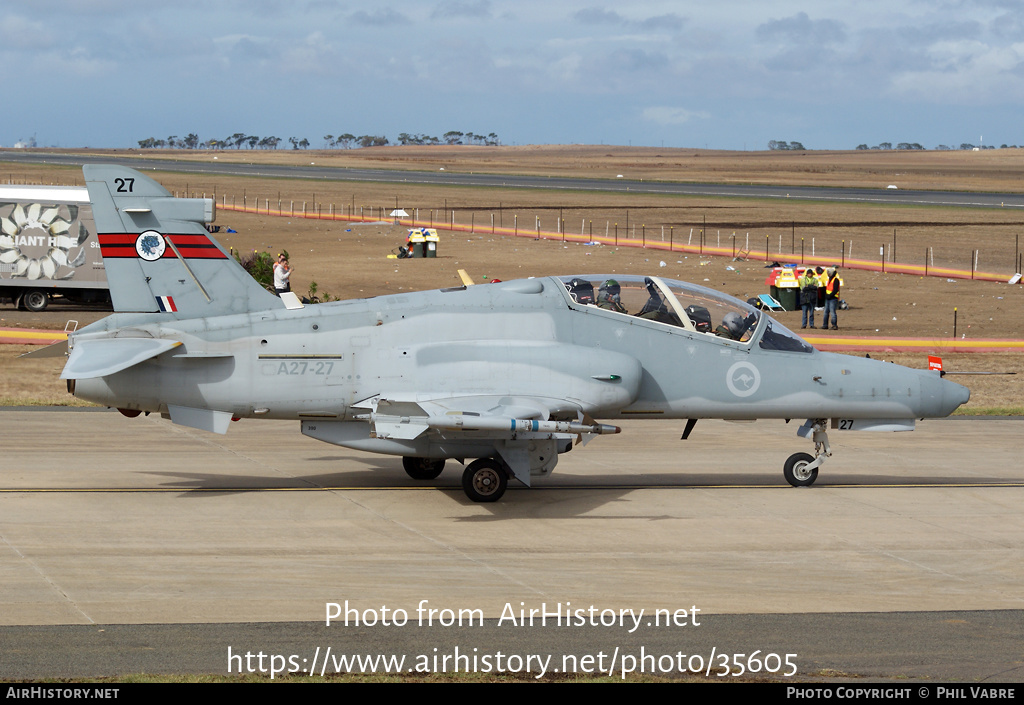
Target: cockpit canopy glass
688	306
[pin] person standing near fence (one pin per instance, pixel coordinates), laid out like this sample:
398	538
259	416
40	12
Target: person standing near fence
808	295
822	280
832	288
282	275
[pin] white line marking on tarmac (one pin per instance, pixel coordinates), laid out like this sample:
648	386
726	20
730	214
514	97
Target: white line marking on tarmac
49	581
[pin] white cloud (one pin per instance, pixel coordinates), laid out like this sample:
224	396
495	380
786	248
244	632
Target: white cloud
17	32
451	9
598	15
314	54
381	17
802	29
664	115
964	70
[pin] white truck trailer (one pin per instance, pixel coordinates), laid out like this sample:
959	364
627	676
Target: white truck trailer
48	247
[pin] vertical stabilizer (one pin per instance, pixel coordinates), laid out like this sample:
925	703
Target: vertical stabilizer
158	254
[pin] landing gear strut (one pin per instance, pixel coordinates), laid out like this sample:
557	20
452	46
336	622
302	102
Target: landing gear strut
801	469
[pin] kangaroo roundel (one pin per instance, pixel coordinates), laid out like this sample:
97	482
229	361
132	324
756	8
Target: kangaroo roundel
743	379
150	245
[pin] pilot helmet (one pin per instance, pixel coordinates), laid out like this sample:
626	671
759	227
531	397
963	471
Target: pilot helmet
734	323
611	289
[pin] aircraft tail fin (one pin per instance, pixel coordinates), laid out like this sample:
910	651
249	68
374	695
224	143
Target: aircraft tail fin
158	254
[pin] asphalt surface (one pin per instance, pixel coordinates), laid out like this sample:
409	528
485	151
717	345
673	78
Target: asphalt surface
133	545
453	178
947	647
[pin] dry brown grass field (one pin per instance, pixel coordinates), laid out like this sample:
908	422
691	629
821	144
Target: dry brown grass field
349	260
986	170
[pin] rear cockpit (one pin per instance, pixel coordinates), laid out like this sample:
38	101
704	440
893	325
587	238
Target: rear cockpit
682	305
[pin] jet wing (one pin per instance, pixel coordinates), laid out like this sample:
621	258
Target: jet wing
99	358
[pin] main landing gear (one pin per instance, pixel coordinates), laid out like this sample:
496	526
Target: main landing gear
801	469
485	480
422	468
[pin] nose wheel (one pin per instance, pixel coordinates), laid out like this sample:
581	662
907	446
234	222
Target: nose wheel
798	471
801	469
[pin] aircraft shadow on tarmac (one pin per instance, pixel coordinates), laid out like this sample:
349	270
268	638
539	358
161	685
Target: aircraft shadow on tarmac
573	495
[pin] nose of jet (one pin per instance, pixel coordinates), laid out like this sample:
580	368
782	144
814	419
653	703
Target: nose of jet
954	395
940	397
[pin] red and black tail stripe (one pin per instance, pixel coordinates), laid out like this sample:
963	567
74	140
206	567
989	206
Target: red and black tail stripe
122	245
118	245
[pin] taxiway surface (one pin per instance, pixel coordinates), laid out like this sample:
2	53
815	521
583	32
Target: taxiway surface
106	520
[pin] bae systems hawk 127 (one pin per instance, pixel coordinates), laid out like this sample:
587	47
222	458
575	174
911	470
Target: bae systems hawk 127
508	375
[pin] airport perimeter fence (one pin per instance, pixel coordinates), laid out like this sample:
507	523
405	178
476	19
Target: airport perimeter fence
970	250
981	251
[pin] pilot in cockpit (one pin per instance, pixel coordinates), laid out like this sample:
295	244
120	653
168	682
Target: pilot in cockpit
609	296
734	326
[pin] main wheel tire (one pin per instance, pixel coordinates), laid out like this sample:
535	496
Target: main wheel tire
796	471
484	480
422	468
35	300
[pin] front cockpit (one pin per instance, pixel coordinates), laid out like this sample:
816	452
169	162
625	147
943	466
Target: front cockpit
693	308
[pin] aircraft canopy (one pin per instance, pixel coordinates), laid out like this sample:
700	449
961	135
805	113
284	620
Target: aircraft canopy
683	305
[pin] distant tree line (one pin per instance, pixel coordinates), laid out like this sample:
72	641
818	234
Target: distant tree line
241	140
236	141
942	147
452	137
350	141
884	146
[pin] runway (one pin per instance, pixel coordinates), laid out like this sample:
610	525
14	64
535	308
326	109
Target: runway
109	521
455	178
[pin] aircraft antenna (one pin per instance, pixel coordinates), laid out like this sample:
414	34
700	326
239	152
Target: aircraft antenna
187	268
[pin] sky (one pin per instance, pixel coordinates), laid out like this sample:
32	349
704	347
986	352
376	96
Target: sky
733	74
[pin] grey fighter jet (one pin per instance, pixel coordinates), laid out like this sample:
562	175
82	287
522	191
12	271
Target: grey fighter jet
509	375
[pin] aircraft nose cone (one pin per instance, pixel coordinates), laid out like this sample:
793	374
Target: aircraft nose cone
943	397
955	395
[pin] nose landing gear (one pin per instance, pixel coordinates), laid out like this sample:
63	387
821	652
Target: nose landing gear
801	469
